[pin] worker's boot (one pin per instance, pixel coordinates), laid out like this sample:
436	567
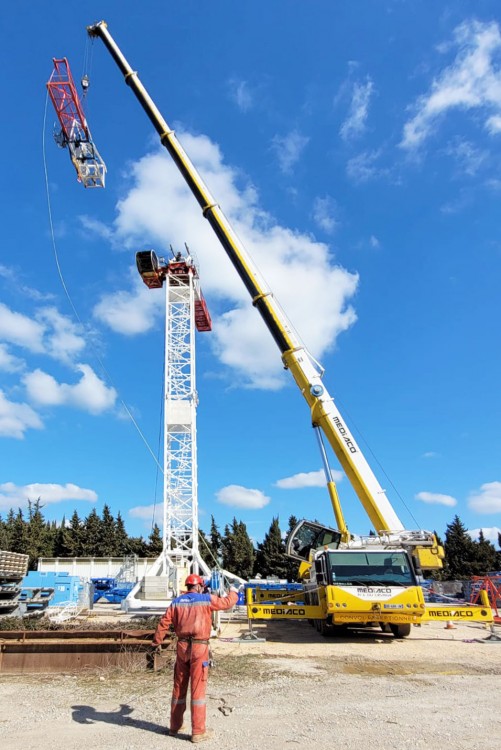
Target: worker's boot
174	732
207	735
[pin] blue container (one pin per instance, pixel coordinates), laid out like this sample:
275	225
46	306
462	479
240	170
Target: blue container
66	588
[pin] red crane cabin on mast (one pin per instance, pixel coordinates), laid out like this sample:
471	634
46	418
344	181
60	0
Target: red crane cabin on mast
75	133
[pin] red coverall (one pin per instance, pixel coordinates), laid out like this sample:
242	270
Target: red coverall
190	615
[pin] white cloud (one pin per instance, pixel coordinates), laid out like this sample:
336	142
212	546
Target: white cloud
241	94
49	333
96	227
16	418
288	149
148	513
487	499
363	167
490	534
354	124
430	454
374	242
20	330
472	81
157	211
12	496
324	214
8	362
307	479
13	275
89	394
63	339
434	498
468	157
131	312
237	496
494	124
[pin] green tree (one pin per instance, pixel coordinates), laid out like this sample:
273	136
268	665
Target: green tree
460	552
9	530
122	543
107	534
237	550
63	543
204	549
215	543
91	535
19	534
37	538
270	557
75	536
486	557
138	546
155	544
4	540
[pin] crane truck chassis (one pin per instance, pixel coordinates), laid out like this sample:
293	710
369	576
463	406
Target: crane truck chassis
328	598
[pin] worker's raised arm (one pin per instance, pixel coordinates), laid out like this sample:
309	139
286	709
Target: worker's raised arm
218	603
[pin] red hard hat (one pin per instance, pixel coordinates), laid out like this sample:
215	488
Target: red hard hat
194	580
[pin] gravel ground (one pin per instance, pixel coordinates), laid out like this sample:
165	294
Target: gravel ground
438	687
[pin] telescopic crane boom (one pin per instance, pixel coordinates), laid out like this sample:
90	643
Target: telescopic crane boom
303	367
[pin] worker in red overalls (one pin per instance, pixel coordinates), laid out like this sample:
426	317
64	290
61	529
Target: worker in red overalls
190	616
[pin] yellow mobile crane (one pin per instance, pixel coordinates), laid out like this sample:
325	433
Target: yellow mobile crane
347	580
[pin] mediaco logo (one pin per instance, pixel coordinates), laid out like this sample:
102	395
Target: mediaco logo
344	434
447	613
283	611
372	590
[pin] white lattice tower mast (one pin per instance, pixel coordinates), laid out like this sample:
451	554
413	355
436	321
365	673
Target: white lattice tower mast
180	526
185	310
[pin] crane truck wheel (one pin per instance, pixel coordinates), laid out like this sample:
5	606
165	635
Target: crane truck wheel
401	631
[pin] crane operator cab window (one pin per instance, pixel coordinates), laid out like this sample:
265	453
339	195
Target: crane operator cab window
369	568
307	536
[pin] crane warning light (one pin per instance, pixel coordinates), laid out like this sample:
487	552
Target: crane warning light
74	133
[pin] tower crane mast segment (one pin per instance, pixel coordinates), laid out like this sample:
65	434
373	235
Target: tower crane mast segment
75	133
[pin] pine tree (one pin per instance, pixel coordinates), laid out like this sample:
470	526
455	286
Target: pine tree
91	535
270	558
204	549
215	543
75	536
19	534
460	552
155	544
138	546
63	541
486	558
9	530
107	535
122	544
37	538
238	551
4	540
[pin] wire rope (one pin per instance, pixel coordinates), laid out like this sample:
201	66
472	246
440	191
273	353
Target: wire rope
70	300
383	471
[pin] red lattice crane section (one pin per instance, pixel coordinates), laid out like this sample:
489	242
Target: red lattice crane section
75	133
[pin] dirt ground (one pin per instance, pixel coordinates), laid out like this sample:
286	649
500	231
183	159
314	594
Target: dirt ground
294	690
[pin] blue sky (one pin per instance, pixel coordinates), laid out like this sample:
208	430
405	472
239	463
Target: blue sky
355	147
